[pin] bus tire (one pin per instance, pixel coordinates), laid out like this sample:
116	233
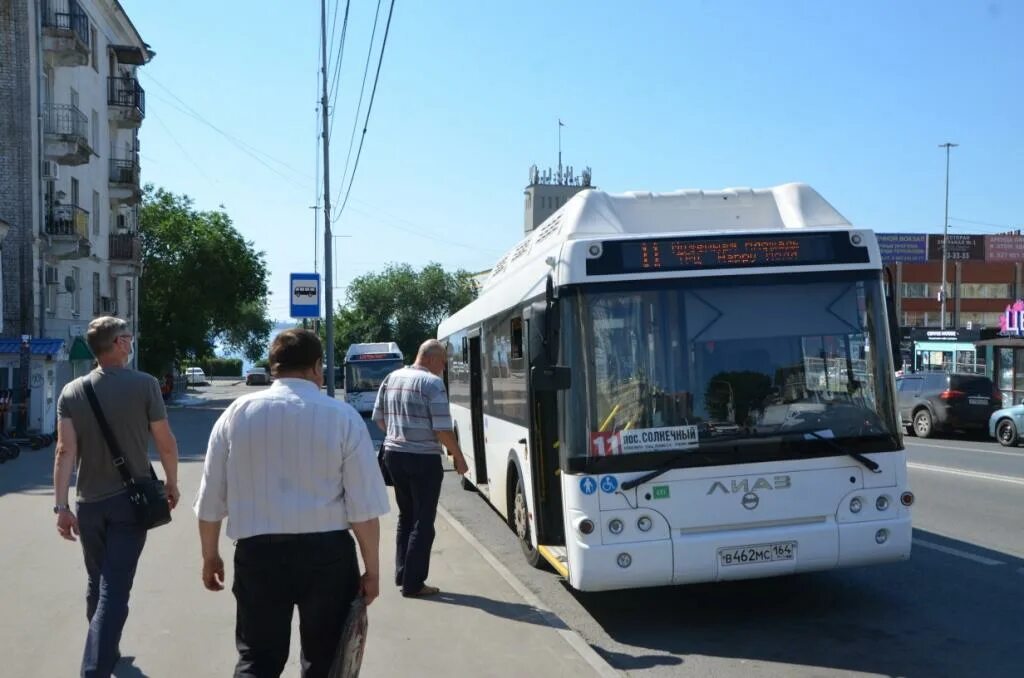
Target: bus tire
519	521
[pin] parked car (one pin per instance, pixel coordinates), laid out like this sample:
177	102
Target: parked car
930	402
194	376
257	376
1005	425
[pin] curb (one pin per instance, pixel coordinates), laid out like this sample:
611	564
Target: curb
575	641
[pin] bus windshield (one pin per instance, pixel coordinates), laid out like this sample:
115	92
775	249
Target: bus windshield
718	371
367	375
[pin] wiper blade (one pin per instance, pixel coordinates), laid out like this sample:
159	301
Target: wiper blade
869	463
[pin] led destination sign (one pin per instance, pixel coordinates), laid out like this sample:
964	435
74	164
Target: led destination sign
689	254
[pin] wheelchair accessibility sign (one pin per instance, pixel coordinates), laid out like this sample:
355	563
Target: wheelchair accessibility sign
609	484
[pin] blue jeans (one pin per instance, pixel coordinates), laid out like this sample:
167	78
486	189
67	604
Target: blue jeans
417	481
112	541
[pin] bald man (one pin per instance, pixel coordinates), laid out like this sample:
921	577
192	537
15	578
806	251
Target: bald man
412	409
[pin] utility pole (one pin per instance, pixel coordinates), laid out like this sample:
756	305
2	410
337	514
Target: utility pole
945	245
328	240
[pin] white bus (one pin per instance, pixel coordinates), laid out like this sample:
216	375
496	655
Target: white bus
365	367
694	386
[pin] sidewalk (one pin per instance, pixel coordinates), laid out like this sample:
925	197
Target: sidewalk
479	626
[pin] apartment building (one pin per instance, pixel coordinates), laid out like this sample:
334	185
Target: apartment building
70	110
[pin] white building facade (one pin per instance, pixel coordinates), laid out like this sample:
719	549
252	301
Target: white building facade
70	110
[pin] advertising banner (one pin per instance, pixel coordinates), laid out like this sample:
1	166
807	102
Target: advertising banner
907	248
1004	248
960	248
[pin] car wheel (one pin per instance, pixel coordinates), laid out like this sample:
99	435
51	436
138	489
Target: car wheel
1006	433
923	423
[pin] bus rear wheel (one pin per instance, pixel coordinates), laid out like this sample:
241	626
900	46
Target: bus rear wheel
519	521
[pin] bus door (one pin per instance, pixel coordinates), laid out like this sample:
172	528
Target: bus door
544	446
477	409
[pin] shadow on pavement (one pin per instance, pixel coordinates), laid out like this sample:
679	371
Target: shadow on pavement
520	612
31	472
126	668
943	613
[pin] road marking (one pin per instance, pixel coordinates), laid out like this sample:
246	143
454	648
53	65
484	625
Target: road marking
963	472
596	661
973	450
957	552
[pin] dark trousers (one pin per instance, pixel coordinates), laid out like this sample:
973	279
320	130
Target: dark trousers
112	541
316	572
417	481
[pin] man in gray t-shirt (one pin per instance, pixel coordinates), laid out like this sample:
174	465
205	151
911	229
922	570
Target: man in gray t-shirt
112	536
412	409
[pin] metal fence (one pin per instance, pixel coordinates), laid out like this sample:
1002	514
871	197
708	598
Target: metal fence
65	120
123	171
126	92
68	220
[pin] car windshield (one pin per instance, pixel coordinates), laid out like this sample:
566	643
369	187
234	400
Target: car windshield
368	375
724	370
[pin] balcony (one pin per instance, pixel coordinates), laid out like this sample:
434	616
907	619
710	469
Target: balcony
66	32
125	254
124	182
128	101
68	221
67	140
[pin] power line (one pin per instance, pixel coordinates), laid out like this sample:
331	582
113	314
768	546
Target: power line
982	223
428	236
359	106
369	109
242	145
337	67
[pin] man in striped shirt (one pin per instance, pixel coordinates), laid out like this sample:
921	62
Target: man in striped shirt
412	409
293	471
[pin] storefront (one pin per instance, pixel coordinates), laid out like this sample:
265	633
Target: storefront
947	350
46	358
1005	355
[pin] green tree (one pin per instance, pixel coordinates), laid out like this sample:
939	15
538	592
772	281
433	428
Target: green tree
400	304
201	281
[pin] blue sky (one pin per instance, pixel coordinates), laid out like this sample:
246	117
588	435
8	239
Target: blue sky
852	98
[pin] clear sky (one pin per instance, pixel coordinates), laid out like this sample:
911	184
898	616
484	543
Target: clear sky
852	98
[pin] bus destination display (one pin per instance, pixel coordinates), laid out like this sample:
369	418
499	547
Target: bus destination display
715	252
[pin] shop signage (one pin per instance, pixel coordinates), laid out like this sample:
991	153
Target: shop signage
1004	248
907	248
959	248
1011	324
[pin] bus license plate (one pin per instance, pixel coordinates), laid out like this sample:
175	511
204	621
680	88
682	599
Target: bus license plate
759	553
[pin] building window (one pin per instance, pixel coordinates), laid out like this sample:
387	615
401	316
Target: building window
922	290
76	295
95	294
94	44
977	319
95	216
925	319
95	129
985	291
52	274
114	296
129	298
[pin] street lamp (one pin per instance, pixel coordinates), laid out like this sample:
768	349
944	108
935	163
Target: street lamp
945	243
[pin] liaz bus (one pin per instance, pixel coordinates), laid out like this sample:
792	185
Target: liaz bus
694	386
365	367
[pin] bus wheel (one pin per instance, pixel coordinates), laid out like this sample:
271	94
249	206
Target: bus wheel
519	519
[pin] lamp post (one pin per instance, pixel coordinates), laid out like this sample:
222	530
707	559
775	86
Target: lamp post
945	244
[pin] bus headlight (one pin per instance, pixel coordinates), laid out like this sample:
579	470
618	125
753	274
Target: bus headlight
856	505
882	503
585	526
615	526
644	524
907	498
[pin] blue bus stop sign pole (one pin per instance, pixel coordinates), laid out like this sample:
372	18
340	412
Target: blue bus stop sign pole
304	293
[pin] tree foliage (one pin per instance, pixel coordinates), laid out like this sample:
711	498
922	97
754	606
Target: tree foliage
201	281
400	304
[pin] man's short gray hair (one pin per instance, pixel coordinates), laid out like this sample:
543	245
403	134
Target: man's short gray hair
431	348
103	332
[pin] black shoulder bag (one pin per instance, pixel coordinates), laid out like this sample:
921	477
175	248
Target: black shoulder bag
149	497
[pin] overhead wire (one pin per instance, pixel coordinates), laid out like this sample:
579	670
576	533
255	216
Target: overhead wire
337	70
369	110
359	106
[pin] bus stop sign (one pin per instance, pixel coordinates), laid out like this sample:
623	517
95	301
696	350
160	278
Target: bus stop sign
305	295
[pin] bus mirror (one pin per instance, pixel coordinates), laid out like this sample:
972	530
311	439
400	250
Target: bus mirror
894	325
551	378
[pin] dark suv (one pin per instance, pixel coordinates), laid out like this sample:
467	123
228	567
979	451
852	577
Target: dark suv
936	401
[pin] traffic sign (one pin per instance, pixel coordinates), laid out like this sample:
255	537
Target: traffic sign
305	295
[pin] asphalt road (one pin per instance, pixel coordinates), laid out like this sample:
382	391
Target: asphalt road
955	609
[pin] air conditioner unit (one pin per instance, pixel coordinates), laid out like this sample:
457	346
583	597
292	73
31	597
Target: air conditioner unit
51	170
51	276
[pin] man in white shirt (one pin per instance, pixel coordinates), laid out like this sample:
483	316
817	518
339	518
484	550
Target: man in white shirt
292	470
